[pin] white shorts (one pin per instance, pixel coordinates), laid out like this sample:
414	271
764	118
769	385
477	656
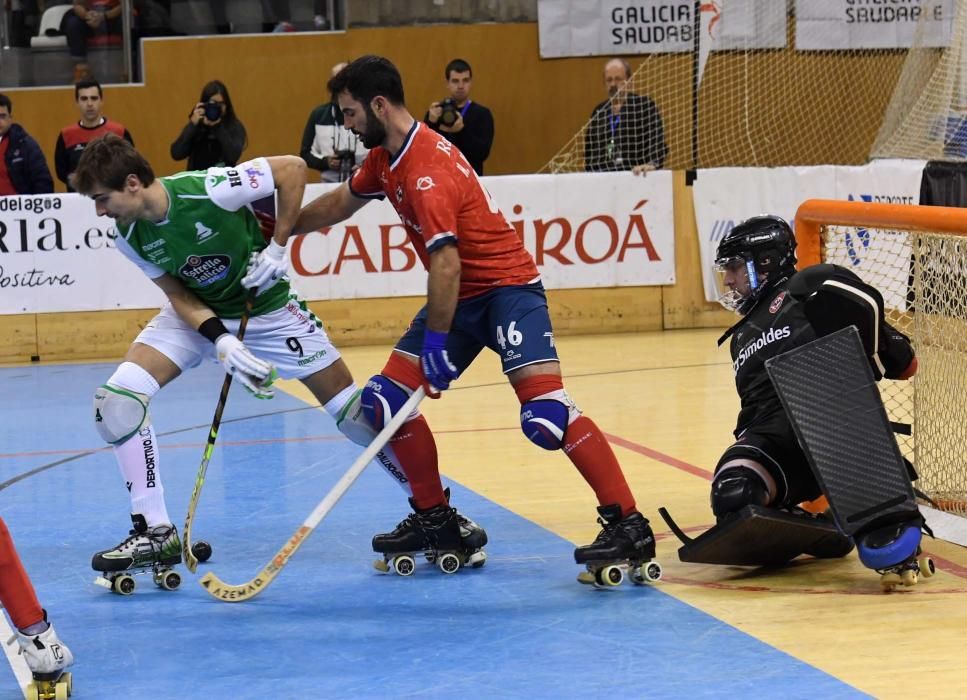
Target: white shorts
291	338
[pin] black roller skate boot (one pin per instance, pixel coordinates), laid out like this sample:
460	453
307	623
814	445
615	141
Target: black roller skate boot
155	549
623	544
434	532
473	536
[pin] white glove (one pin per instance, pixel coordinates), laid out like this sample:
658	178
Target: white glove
266	267
254	374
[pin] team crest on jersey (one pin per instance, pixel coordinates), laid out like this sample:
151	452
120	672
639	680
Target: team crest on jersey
777	303
399	193
203	232
205	269
424	183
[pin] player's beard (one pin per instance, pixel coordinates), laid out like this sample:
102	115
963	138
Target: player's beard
375	133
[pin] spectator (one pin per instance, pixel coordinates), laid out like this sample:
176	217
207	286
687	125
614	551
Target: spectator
625	131
74	138
327	146
466	124
23	169
213	135
87	18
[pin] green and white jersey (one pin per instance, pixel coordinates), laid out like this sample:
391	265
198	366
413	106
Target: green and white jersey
208	235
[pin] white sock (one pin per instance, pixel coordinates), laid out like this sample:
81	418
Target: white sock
138	456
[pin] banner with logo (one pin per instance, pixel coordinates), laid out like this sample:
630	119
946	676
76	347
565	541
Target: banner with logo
584	230
725	196
610	27
860	24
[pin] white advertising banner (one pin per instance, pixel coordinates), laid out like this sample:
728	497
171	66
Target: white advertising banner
609	27
584	230
862	24
725	196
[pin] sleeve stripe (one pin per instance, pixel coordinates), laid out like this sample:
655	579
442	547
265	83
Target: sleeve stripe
371	195
439	240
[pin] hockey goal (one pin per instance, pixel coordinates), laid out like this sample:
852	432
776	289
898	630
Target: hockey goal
917	257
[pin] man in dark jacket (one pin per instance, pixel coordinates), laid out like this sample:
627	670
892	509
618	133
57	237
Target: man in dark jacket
466	124
23	169
626	130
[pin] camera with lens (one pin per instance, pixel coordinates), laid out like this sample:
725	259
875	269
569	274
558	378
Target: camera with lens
347	159
450	112
213	111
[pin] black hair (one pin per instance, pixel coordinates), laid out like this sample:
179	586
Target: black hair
87	83
369	77
5	102
457	65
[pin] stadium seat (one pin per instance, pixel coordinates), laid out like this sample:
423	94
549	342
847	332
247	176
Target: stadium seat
48	34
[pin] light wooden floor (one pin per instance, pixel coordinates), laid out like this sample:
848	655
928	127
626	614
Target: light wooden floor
667	402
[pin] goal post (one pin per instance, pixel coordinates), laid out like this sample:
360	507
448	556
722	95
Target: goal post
917	257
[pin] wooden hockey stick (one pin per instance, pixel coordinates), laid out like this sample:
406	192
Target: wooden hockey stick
236	594
191	561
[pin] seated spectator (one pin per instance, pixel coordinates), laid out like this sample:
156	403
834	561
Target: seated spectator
23	169
626	130
329	147
74	138
87	19
213	135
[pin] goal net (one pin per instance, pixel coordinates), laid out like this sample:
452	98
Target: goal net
773	93
917	257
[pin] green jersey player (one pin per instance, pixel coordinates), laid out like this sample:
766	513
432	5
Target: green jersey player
196	235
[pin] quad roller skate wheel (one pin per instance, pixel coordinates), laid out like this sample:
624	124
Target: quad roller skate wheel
909	577
201	550
123	584
927	567
60	689
169	580
449	563
649	572
610	576
404	565
890	580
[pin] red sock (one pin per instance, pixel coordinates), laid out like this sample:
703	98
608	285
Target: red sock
585	446
16	592
413	443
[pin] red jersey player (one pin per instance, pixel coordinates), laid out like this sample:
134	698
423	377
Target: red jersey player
484	290
46	655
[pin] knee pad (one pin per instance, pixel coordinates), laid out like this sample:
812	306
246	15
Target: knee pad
381	399
544	422
353	423
121	405
735	488
889	545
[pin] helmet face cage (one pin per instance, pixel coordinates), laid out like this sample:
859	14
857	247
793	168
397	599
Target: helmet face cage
766	245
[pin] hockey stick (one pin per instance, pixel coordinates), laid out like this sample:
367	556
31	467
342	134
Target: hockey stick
191	561
236	594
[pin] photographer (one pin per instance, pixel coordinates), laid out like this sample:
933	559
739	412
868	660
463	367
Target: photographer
466	124
329	147
213	135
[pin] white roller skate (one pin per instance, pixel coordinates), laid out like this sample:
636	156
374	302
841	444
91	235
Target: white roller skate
47	657
145	550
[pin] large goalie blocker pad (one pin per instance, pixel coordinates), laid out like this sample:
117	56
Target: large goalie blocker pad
830	396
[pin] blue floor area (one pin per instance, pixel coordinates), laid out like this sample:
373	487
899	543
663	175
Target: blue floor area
330	626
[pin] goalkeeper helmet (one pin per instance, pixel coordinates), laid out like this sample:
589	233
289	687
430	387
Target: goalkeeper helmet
755	252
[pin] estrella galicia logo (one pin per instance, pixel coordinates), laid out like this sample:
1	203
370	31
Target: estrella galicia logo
205	269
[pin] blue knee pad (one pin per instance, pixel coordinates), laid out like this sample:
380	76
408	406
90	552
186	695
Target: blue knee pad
889	545
544	422
381	399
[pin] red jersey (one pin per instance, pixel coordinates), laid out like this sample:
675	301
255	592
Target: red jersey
440	201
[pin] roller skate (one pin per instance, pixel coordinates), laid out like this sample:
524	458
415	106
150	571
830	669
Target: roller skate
47	657
438	534
472	535
624	544
893	551
145	550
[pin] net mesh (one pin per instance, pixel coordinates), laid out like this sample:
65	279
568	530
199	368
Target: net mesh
923	279
787	105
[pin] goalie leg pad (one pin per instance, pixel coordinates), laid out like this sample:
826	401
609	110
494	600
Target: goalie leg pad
381	398
121	405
